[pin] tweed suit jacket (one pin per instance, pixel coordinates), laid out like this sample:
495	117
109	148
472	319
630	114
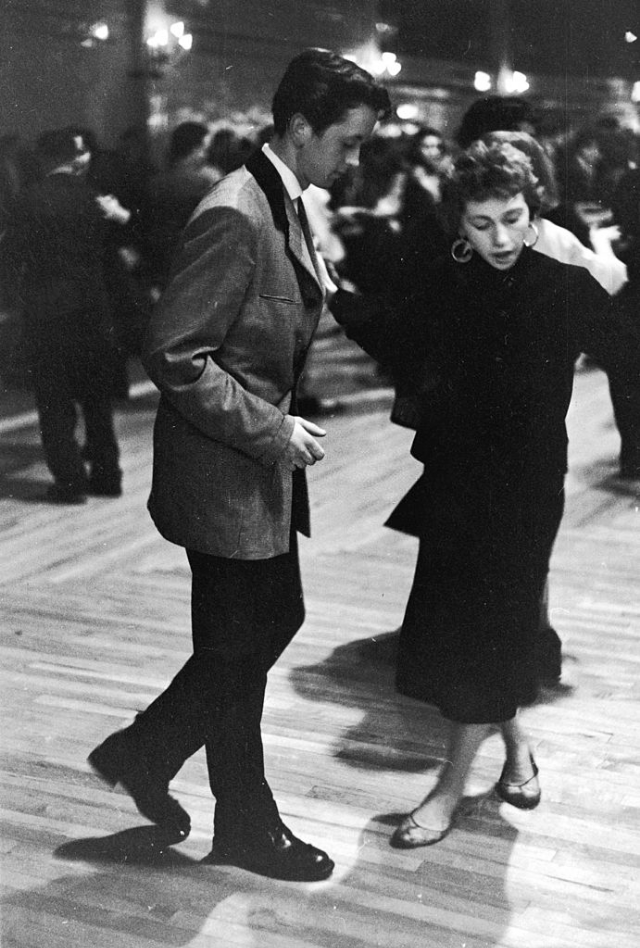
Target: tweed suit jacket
225	346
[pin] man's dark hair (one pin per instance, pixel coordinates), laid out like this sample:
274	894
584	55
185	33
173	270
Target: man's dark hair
58	147
322	86
229	150
185	139
494	113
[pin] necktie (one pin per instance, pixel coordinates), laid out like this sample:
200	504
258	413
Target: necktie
318	263
306	230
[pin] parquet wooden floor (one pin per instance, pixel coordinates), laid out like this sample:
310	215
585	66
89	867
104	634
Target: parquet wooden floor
95	621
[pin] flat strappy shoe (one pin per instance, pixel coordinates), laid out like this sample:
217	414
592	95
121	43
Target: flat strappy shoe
410	834
520	795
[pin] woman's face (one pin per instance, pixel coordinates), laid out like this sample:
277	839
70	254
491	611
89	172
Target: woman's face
431	147
496	228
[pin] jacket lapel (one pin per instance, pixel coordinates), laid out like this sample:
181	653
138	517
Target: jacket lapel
285	217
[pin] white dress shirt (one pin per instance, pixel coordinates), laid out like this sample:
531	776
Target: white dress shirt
295	191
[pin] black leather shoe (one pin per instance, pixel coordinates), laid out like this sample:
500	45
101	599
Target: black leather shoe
117	760
273	852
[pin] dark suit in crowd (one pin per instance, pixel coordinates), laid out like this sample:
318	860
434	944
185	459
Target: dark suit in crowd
53	250
625	395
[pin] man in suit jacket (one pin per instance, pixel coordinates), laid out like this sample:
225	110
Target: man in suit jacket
53	252
226	347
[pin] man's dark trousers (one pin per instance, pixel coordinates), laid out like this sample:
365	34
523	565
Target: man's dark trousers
244	614
68	369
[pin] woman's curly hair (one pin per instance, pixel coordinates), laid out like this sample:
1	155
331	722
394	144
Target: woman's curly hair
485	171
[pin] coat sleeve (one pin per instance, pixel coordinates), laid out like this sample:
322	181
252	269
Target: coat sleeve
603	329
210	277
399	337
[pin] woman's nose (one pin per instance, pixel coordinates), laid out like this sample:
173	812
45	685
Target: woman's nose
500	235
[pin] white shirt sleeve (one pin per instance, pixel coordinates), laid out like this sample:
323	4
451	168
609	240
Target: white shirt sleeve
560	244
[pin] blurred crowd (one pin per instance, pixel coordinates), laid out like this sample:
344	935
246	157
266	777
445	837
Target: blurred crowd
144	204
373	226
378	227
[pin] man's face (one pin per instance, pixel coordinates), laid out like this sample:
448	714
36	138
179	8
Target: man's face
327	156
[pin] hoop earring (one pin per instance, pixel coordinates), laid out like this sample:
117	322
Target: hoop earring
536	235
461	250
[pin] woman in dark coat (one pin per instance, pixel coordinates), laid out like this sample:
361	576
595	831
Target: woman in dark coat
491	338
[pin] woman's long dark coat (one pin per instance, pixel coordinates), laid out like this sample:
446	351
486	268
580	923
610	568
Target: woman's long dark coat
494	447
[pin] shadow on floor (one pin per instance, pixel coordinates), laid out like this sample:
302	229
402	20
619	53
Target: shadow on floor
361	675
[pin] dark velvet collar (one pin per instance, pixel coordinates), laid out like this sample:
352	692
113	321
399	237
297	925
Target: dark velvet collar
270	181
272	185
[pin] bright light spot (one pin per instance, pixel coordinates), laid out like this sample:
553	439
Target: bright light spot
519	82
390	64
186	41
635	92
100	31
630	37
159	39
386	64
482	81
177	29
407	111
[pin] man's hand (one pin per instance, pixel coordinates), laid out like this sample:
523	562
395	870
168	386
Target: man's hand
303	450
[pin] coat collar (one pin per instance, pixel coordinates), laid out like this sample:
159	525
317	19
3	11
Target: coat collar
285	217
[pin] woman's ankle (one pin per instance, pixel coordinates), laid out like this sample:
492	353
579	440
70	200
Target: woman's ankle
518	766
437	809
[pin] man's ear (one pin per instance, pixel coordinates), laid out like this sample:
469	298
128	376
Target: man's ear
300	130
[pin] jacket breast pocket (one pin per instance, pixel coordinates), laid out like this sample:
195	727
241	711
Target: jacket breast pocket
274	298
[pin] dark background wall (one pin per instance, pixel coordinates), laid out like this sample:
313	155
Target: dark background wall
48	78
574	37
